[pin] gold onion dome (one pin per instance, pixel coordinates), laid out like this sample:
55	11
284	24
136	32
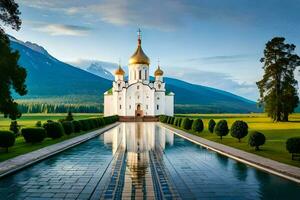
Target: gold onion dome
119	71
139	57
158	72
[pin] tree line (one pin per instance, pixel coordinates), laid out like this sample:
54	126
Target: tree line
59	108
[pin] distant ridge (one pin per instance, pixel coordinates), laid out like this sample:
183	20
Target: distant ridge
50	80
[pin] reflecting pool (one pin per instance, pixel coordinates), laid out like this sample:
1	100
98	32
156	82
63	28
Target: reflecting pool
143	161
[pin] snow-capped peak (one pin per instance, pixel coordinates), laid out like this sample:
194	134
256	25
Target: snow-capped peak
32	46
98	69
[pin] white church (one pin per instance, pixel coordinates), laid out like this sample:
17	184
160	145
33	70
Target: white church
139	97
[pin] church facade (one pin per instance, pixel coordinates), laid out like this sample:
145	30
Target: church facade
138	96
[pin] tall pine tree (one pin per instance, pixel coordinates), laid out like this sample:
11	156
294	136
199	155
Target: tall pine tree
278	87
12	76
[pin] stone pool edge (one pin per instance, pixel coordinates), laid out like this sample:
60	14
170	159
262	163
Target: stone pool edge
271	166
17	163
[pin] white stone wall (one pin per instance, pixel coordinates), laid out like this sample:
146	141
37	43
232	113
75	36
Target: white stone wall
134	72
169	110
108	105
139	94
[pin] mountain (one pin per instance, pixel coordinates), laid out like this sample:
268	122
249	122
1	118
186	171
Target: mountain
196	98
52	81
48	77
97	69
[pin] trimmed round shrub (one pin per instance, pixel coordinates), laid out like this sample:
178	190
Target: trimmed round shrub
69	117
239	129
14	127
77	126
68	127
38	124
111	119
175	121
33	135
54	129
168	119
179	122
99	122
102	122
85	125
186	123
172	120
95	123
7	139
163	118
211	125
256	139
293	146
221	128
197	125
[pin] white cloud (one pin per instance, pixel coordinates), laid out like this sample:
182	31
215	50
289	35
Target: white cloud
61	29
217	80
163	15
173	14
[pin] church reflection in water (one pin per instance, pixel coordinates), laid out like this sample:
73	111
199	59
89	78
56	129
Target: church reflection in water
138	148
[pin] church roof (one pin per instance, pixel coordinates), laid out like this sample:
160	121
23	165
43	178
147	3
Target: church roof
120	71
139	57
158	72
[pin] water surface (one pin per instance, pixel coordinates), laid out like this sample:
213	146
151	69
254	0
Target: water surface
143	161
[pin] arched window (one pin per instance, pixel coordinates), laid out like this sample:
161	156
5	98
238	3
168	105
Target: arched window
140	74
145	74
157	107
120	107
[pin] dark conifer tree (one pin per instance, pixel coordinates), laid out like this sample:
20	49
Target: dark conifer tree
278	87
11	74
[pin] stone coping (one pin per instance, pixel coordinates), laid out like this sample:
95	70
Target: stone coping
14	164
271	166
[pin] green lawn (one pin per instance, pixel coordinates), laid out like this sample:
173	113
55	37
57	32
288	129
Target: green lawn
27	120
276	134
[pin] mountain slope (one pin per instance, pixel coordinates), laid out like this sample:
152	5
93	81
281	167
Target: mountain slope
99	70
207	99
49	79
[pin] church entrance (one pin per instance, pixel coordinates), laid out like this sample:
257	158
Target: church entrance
138	111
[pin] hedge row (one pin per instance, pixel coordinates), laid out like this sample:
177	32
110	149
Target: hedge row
239	129
184	123
52	129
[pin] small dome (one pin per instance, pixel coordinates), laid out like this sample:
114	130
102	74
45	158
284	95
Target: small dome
158	72
119	71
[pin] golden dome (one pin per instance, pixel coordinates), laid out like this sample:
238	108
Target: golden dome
119	71
139	57
158	72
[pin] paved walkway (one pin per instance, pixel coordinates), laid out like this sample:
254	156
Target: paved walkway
271	166
19	162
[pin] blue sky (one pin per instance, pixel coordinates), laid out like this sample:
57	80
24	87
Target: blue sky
208	42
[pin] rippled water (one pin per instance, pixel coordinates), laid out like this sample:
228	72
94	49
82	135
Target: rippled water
143	161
